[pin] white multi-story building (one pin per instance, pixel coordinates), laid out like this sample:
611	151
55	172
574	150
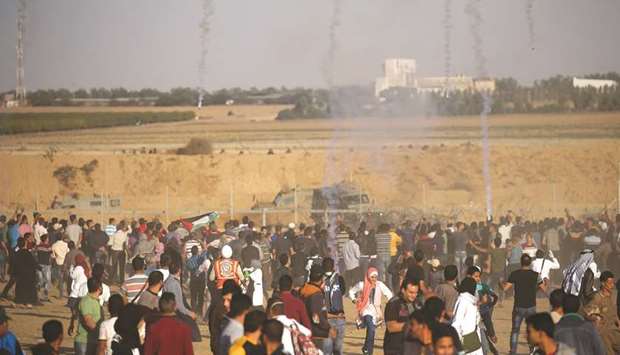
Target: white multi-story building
397	72
593	83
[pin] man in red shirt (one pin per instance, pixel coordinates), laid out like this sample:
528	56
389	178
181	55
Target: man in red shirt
294	308
168	335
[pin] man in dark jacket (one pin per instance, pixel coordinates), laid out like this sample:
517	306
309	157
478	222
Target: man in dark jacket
576	332
312	295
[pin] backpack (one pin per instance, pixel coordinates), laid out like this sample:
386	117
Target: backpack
334	294
302	344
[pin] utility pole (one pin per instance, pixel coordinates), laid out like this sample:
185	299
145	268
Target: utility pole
20	90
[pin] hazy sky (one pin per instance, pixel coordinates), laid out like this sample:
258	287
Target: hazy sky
155	43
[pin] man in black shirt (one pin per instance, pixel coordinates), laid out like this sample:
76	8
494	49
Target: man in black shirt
397	313
525	282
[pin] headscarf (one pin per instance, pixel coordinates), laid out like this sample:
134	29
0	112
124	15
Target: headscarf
365	298
80	260
573	275
468	285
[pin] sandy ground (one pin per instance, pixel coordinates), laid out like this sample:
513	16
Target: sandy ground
540	164
26	324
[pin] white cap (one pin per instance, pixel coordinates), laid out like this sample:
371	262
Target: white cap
226	252
291	225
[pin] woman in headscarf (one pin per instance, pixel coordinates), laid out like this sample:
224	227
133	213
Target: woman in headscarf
367	296
79	273
466	318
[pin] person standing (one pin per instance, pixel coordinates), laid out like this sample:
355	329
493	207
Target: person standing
576	332
466	318
335	288
526	283
314	299
118	247
52	335
447	290
540	330
367	296
602	311
25	276
250	342
351	256
226	268
272	337
106	330
239	308
460	247
173	285
133	285
397	312
294	308
90	316
8	340
44	252
168	335
498	266
60	249
74	231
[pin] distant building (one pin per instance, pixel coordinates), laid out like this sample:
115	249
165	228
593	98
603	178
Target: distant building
397	72
9	101
401	72
593	83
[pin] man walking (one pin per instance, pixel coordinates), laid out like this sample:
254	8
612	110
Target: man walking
525	282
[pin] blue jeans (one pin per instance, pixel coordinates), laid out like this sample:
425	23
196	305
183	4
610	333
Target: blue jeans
334	345
45	279
369	341
518	316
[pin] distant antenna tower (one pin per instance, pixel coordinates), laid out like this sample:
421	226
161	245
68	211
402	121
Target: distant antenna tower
20	90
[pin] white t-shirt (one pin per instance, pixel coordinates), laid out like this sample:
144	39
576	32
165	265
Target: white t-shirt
107	333
79	279
118	240
73	232
60	249
103	297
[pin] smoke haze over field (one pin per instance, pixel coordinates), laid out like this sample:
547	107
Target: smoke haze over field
156	43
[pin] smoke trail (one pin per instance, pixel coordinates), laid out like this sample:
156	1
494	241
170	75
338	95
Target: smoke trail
473	10
447	25
333	42
205	27
529	12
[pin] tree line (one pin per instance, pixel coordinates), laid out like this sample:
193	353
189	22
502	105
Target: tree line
554	94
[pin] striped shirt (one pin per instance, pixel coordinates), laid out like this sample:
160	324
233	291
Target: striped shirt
383	244
132	286
188	247
110	229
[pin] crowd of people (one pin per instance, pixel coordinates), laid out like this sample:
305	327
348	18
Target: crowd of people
433	287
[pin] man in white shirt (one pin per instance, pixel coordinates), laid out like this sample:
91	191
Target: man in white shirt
118	245
39	229
74	231
544	264
504	230
60	249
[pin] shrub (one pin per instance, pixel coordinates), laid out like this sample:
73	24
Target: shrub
66	175
196	146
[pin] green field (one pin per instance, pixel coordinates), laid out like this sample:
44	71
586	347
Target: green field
14	123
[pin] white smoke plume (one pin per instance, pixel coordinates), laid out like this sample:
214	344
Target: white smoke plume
447	25
473	11
205	28
529	12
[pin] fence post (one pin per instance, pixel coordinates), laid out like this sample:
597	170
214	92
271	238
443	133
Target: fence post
231	203
264	217
167	205
295	216
618	187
